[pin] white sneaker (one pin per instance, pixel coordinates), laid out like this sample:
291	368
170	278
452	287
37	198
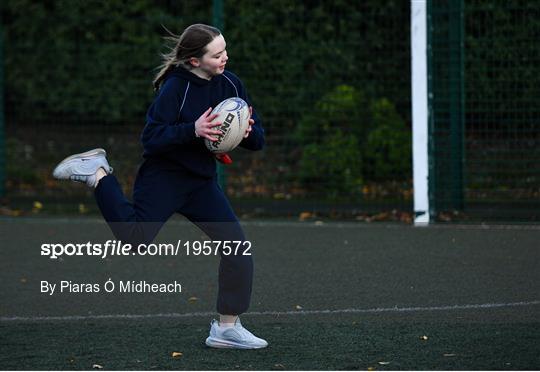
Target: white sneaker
236	337
83	167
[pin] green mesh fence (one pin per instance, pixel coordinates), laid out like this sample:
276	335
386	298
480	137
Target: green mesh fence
485	130
332	84
330	79
445	80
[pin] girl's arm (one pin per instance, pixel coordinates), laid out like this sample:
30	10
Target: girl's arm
162	131
255	140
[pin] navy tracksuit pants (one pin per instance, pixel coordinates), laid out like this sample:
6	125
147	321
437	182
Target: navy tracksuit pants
157	195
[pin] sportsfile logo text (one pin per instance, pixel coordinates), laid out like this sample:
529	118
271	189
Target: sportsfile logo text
117	248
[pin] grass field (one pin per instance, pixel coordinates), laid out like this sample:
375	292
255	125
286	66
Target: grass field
326	296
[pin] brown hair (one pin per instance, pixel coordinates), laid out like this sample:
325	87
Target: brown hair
191	43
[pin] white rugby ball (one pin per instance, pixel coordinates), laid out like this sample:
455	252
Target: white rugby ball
233	114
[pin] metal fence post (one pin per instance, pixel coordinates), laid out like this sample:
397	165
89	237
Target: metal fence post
432	174
457	97
2	120
217	20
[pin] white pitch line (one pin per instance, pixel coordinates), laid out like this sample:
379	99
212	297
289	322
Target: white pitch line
274	313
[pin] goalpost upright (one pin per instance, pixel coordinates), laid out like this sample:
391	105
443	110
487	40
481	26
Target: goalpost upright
420	111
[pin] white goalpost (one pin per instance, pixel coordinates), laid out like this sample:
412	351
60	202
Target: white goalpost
420	111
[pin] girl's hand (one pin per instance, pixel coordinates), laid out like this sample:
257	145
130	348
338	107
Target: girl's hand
250	122
204	125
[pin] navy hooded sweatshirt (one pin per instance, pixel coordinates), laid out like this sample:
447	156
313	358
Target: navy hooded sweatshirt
168	137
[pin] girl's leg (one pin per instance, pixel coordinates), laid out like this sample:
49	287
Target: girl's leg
209	209
156	196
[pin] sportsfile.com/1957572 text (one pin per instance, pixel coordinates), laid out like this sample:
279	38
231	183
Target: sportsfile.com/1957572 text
117	248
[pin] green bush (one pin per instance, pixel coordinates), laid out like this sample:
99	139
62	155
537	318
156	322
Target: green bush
20	163
347	139
387	151
83	61
343	108
334	163
330	136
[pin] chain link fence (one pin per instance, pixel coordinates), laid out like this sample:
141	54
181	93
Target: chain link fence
485	130
331	81
331	84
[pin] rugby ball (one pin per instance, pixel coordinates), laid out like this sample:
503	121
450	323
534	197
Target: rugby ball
233	114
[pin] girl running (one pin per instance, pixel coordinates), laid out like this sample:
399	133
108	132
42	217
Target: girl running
178	174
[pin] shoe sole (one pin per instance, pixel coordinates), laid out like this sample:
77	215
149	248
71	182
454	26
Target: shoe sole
223	344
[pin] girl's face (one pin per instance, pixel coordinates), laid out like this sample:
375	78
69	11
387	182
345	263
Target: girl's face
213	62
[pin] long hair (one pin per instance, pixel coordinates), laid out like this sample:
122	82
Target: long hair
191	43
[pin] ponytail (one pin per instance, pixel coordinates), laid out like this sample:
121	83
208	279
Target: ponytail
190	44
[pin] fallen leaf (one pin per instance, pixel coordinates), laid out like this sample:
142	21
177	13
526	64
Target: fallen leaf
445	217
406	218
23	280
176	354
97	366
279	366
381	216
5	211
370	368
193	299
305	215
